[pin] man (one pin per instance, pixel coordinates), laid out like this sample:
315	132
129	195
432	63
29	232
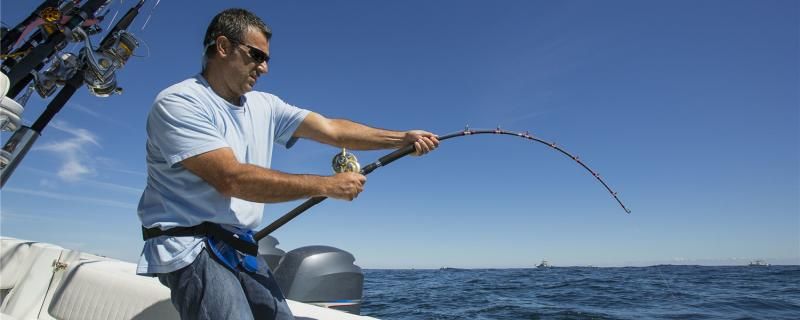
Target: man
209	144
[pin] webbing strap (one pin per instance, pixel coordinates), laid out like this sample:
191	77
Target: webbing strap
204	229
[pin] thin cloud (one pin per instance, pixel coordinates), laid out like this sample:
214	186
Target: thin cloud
74	198
89	111
77	160
35	218
131	172
117	187
47	183
109	164
52	184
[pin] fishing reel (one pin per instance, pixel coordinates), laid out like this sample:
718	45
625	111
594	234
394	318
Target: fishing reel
345	162
62	68
101	65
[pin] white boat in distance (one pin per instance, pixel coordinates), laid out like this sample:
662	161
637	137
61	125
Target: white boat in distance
544	264
758	263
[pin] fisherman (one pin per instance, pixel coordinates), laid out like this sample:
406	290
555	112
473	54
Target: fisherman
209	146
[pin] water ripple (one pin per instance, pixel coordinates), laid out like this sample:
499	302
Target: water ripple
659	292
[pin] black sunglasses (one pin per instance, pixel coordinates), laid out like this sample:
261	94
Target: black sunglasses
256	54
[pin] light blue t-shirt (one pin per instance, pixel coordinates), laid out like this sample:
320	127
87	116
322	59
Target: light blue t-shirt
188	119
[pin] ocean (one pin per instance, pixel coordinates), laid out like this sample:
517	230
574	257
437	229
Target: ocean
657	292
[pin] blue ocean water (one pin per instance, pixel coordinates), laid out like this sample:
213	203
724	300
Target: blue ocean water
657	292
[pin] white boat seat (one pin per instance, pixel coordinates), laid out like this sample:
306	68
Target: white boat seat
31	276
12	262
109	290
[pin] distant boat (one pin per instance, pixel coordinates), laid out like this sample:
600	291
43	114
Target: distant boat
758	263
544	264
449	269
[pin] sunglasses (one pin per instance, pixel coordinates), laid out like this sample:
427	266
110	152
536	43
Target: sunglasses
256	54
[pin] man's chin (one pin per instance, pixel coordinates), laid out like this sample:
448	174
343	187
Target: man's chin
247	88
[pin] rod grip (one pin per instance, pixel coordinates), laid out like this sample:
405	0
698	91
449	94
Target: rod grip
397	154
389	158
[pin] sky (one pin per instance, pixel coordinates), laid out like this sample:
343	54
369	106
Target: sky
688	109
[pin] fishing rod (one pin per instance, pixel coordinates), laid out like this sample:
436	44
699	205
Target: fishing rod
347	162
50	38
94	67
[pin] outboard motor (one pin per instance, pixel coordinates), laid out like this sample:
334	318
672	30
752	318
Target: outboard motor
268	250
323	276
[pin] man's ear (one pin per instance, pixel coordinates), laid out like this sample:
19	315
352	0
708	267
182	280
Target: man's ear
223	45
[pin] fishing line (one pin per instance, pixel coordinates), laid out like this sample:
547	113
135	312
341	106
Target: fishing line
153	9
404	151
111	23
141	41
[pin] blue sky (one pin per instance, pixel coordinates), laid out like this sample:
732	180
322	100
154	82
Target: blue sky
689	109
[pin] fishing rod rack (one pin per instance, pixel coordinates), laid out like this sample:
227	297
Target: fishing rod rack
34	59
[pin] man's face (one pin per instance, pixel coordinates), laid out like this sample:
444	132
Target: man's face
243	68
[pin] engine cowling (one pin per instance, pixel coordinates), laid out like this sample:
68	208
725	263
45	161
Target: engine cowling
323	276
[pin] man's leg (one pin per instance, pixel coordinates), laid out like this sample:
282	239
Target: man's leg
265	297
207	290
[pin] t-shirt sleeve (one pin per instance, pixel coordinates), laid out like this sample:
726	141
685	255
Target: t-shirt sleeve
181	129
287	119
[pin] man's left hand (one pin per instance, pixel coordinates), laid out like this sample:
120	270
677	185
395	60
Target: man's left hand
423	141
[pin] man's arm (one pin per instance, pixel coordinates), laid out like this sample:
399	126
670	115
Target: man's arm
351	135
220	169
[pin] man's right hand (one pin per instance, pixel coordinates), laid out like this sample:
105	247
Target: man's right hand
345	185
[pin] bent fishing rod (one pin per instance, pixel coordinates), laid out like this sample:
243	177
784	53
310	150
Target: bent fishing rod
347	162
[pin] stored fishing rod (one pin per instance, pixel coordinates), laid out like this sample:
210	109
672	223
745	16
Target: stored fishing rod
54	42
96	68
346	160
11	36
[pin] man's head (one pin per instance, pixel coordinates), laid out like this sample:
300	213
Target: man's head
236	51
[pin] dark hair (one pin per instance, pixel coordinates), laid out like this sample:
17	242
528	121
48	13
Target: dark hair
233	24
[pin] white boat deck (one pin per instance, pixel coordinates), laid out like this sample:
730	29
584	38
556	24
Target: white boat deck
44	281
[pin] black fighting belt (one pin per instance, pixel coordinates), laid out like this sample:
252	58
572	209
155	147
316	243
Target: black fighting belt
203	230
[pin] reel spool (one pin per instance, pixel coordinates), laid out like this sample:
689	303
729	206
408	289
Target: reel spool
345	162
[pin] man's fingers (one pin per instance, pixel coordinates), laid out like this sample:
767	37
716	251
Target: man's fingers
425	144
432	142
435	141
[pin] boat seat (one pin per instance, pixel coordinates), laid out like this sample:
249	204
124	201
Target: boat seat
29	269
12	263
109	290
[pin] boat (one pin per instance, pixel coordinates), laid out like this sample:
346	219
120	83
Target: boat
758	263
450	269
45	281
544	264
